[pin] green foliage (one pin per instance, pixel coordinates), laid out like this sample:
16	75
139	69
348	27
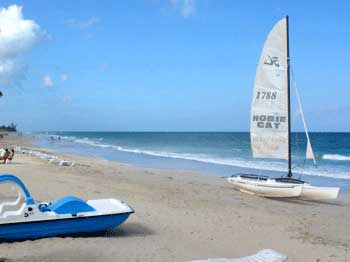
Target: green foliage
10	128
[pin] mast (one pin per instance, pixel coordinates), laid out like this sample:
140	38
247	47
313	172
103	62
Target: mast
288	83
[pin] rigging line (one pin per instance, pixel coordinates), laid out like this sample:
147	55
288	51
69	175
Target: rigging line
308	145
296	137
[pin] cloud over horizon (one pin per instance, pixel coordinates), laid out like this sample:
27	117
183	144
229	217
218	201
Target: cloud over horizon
17	37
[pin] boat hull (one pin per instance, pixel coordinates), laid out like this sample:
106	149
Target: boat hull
60	227
319	193
265	188
282	187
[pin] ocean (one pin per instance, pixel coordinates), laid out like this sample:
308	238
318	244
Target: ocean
210	153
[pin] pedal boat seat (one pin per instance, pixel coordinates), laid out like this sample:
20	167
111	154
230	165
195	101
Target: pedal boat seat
67	205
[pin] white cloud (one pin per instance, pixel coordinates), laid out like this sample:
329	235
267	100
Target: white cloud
47	81
64	77
83	25
17	36
186	8
92	21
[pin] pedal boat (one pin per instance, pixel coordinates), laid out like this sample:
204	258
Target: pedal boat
24	218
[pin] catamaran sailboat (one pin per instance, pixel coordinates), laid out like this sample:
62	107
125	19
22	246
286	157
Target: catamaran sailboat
270	125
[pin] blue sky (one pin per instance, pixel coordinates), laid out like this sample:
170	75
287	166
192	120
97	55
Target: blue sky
173	65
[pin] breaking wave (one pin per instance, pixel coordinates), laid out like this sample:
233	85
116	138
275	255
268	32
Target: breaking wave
235	162
336	157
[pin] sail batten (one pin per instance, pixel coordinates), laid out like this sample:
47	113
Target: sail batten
269	111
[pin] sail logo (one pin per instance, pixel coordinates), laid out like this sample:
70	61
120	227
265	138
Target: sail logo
268	121
273	61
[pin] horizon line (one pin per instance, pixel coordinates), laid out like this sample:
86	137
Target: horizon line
148	131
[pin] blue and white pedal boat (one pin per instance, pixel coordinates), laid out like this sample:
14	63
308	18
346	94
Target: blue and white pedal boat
26	219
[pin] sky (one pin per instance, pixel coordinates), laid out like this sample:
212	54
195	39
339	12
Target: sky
164	65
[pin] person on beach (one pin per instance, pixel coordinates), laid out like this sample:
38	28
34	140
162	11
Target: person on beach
5	156
12	154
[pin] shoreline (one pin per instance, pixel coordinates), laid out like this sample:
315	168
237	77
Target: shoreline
331	174
180	215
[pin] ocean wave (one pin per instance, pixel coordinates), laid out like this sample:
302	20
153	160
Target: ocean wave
336	157
67	137
90	142
56	137
235	162
243	163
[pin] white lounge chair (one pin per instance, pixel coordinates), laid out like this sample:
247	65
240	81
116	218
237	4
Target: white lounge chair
266	255
52	159
66	163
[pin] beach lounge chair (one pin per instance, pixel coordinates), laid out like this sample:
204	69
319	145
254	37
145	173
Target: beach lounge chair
66	163
266	255
44	156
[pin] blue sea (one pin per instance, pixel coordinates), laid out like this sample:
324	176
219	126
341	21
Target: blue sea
210	153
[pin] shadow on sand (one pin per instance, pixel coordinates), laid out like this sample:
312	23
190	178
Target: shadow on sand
4	259
309	202
11	164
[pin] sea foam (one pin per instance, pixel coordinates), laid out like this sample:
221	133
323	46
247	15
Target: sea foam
336	157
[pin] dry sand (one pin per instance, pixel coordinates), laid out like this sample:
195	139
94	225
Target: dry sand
179	216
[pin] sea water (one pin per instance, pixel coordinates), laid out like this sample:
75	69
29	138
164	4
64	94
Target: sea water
211	153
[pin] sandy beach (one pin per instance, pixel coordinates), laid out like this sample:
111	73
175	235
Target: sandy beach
180	216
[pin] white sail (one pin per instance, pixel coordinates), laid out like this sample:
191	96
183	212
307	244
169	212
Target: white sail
269	111
309	151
